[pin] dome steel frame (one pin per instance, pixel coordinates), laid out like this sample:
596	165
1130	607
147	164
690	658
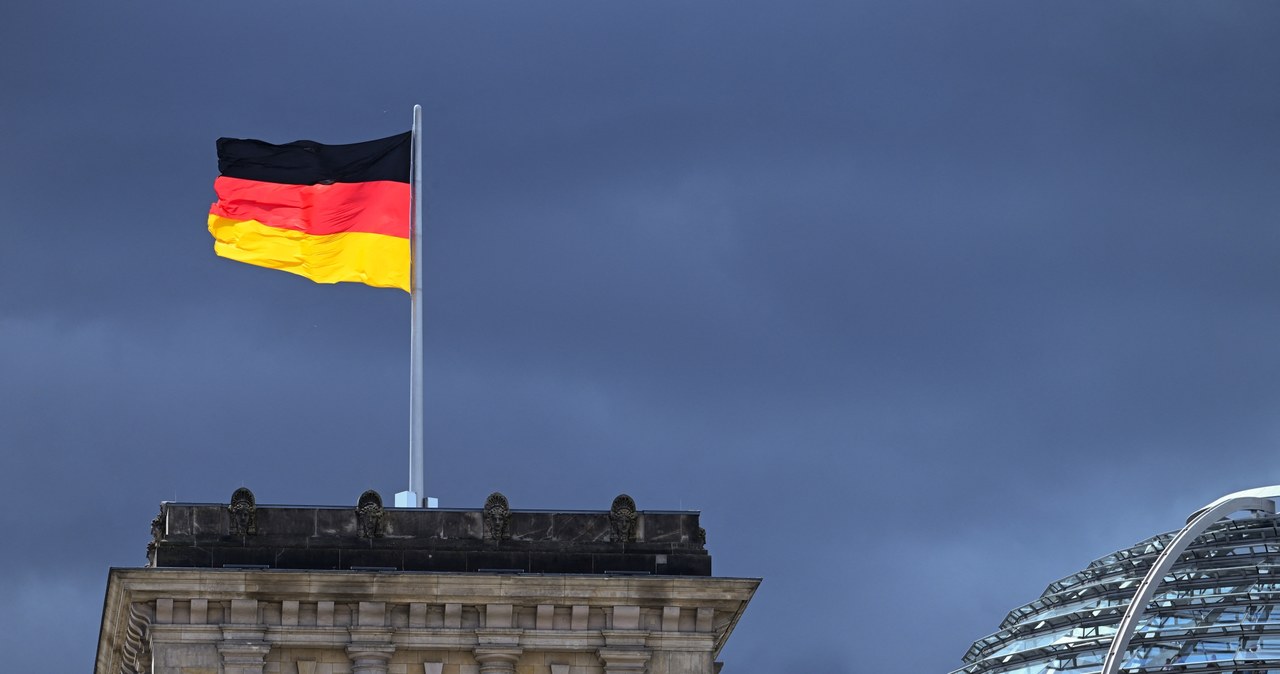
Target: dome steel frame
1200	598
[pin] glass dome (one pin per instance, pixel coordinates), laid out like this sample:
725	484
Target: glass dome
1214	610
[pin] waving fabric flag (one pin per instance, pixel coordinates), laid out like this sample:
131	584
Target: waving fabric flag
330	213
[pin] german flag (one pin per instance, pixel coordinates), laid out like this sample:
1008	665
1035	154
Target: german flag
330	213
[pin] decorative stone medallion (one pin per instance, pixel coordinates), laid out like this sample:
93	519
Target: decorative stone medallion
370	515
622	516
497	517
244	513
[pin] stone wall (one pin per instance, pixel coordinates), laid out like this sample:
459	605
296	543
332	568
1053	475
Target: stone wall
187	621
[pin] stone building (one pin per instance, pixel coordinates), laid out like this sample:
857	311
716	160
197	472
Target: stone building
245	589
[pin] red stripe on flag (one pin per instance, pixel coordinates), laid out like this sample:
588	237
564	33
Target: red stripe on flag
378	207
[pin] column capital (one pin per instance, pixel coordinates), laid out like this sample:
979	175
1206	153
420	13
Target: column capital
370	658
624	660
497	660
243	657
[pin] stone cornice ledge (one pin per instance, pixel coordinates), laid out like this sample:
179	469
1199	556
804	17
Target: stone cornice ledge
410	587
570	640
440	639
680	641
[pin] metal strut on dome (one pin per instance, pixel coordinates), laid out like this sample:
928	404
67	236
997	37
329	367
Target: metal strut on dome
1259	499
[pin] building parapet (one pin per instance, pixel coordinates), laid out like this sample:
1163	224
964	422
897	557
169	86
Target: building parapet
369	537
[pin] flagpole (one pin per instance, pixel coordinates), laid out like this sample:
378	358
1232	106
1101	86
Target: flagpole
417	472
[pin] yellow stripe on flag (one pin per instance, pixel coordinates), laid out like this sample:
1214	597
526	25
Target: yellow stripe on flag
375	259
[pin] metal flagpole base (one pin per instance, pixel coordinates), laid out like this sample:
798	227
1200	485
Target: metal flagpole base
408	499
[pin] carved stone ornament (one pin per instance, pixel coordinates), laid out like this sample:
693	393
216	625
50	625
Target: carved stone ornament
157	532
136	649
497	517
701	538
244	513
370	515
623	518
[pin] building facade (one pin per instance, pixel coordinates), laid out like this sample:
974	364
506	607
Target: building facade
244	589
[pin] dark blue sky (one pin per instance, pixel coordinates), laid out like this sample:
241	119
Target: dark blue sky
924	304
